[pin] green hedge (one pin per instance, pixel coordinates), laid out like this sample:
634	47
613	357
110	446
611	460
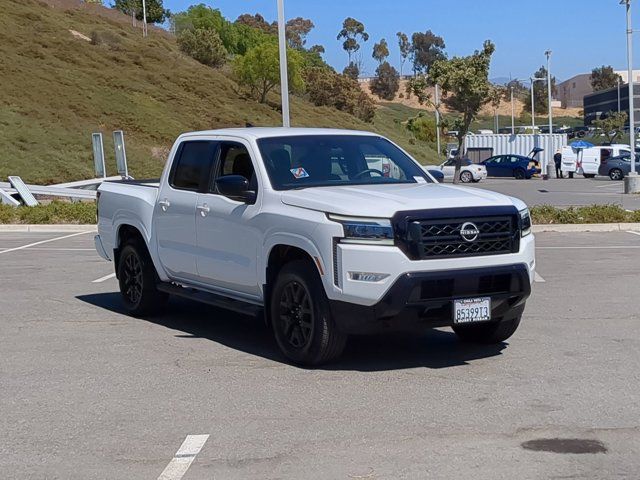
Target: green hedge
54	212
85	213
547	214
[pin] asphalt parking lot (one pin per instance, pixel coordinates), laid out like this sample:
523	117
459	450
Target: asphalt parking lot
87	392
562	192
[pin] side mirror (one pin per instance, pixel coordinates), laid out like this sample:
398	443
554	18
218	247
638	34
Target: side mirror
437	174
236	187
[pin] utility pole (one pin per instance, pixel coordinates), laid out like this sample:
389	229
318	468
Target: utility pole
632	181
513	123
549	156
437	105
144	18
618	93
284	78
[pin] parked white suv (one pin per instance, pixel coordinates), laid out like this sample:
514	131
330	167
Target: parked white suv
469	171
297	225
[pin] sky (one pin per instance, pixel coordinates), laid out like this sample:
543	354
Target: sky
582	34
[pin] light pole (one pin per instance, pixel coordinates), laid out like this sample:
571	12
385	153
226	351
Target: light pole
284	79
632	181
547	175
533	108
513	124
618	93
437	105
144	18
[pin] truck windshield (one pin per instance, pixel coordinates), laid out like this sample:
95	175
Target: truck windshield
331	160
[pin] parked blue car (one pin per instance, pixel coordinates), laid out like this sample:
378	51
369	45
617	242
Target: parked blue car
516	166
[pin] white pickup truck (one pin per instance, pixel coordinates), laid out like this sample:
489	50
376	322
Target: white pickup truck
298	225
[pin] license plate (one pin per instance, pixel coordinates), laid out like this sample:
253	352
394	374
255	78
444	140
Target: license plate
469	310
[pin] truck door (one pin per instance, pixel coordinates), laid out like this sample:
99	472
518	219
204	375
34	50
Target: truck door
227	232
175	211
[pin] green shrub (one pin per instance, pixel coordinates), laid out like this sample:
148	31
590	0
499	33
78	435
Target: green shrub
54	212
547	214
203	45
423	127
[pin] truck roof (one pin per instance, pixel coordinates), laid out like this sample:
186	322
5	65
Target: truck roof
265	132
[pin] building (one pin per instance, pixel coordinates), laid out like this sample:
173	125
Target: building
571	92
612	100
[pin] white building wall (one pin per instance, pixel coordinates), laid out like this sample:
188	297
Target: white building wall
502	144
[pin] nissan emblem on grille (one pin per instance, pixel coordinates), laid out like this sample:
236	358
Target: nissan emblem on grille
469	231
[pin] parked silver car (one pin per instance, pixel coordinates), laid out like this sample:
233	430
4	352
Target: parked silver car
616	168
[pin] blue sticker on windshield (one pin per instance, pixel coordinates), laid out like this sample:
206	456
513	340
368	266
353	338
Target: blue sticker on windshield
299	172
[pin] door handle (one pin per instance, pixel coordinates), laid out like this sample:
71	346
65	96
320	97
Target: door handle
203	209
164	204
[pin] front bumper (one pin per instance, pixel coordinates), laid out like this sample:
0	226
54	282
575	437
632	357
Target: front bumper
421	300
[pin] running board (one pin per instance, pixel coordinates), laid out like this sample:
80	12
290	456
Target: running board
219	301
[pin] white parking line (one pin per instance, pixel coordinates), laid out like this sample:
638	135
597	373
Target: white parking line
585	247
105	278
48	249
538	278
183	458
608	185
43	241
632	232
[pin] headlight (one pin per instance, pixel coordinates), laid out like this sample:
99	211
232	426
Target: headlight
525	222
373	231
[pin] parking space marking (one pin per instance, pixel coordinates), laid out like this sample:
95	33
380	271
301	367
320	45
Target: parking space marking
48	249
538	278
632	232
43	241
608	185
105	278
183	458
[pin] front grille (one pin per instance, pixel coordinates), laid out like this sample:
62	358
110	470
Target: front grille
444	237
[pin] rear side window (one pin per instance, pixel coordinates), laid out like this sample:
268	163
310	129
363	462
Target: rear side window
192	166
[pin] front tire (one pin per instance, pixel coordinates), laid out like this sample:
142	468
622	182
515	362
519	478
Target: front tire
487	333
137	278
466	177
301	318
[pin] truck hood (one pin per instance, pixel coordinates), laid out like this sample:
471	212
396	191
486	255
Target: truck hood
385	200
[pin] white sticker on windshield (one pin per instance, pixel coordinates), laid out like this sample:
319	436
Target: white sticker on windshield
419	179
299	172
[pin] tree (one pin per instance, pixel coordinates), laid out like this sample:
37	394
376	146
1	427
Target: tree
386	83
203	45
297	30
466	88
603	78
426	48
259	69
156	12
519	90
540	96
319	49
611	124
327	88
419	86
258	22
352	30
352	71
380	51
405	48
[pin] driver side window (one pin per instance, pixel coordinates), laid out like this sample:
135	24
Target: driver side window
234	159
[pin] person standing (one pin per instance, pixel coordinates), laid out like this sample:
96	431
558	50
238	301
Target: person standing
557	159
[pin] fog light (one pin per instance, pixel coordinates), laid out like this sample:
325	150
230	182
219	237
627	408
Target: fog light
367	276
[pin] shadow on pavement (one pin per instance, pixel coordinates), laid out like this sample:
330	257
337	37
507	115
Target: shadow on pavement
432	349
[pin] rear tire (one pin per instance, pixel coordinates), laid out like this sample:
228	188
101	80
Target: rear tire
466	177
616	174
519	174
301	317
137	278
487	333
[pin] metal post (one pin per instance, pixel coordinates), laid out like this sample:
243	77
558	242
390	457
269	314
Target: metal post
144	18
437	101
550	150
513	125
632	124
533	107
284	79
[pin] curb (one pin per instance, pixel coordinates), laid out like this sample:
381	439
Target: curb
587	227
25	228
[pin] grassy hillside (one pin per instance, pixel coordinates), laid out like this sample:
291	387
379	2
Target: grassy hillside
58	88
